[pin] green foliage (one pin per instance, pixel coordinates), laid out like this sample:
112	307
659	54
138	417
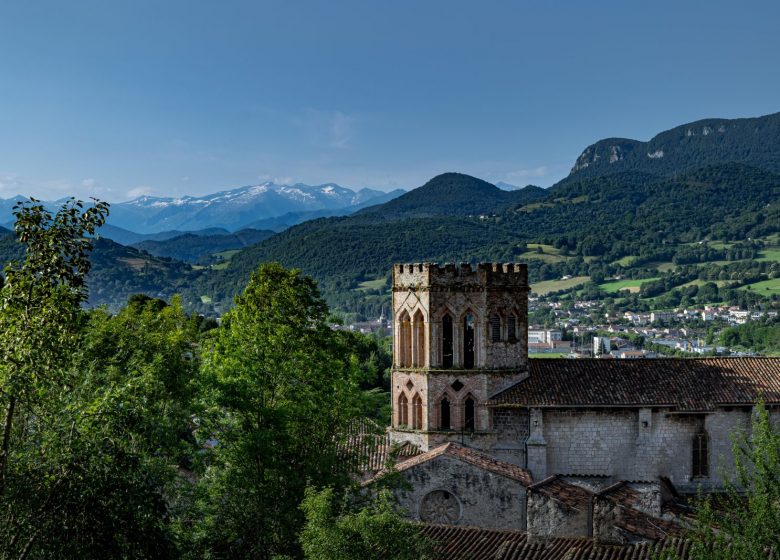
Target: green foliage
760	336
743	525
348	531
279	389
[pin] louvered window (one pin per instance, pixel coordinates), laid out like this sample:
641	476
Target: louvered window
495	328
511	329
701	466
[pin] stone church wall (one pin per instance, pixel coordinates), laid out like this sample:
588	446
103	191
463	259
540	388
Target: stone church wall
639	444
484	499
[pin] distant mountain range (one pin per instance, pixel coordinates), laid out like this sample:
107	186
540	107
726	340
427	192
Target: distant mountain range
717	180
253	207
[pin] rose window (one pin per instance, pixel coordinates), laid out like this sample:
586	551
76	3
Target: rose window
441	507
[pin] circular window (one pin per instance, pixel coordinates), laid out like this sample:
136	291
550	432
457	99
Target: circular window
441	507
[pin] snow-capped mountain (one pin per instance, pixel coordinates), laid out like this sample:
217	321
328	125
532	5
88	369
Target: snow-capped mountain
230	209
234	209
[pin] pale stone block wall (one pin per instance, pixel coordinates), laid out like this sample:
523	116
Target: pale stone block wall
486	499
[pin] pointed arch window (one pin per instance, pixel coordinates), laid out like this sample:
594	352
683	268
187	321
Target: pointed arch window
405	340
444	414
403	410
417	412
468	341
446	341
468	414
418	334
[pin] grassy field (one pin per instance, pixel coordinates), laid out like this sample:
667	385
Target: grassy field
542	288
226	255
548	355
625	261
765	287
377	284
628	285
769	254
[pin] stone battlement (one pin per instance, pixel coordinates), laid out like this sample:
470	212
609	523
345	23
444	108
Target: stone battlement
431	275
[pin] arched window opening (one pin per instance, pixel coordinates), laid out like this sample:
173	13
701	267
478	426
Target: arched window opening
446	342
511	327
468	415
495	328
418	329
417	411
701	466
444	414
468	341
403	410
405	339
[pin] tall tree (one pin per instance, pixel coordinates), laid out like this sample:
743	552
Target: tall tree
282	387
39	314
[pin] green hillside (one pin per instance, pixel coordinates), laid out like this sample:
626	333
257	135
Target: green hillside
586	228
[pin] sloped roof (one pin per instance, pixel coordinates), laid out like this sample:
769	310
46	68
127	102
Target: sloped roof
632	519
685	384
473	543
472	457
565	492
365	447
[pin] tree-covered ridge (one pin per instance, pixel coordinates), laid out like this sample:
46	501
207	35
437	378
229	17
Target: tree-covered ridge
753	141
199	248
451	194
592	223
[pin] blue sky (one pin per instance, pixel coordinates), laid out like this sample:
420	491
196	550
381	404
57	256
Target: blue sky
117	98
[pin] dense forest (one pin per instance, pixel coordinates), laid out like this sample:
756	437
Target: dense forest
151	433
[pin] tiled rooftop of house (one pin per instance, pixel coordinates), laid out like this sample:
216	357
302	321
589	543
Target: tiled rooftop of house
686	384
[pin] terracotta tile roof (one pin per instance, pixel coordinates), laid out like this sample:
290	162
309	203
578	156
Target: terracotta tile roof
365	447
632	519
623	494
689	384
471	456
586	549
471	543
571	495
646	526
455	542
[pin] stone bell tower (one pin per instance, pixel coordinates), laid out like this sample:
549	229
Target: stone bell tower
460	336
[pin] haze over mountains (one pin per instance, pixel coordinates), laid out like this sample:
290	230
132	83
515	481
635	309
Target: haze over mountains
254	206
624	208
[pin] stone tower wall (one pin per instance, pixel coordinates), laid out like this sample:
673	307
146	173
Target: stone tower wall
495	296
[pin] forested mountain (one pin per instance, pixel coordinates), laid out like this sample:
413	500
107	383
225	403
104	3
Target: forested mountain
623	218
202	249
754	142
452	194
595	220
127	237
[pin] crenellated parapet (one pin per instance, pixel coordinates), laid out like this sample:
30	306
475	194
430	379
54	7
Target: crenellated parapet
460	277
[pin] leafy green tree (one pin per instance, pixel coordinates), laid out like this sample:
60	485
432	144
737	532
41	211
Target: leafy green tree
345	530
745	523
279	389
